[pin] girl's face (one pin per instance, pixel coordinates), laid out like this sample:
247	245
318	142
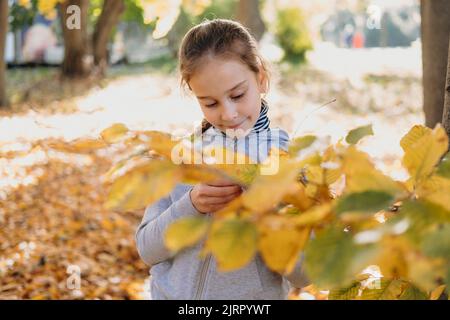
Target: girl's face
229	93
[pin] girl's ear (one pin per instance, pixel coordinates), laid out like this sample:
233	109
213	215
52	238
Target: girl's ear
263	81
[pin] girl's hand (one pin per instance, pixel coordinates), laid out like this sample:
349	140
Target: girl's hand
214	196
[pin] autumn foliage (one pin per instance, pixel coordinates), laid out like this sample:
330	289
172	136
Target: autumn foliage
332	204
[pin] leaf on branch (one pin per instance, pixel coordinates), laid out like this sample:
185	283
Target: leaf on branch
349	292
185	232
333	258
262	196
357	134
443	169
281	242
385	289
233	242
366	202
300	143
435	189
423	149
361	175
143	185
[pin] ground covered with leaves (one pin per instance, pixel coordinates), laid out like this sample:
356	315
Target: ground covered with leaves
57	222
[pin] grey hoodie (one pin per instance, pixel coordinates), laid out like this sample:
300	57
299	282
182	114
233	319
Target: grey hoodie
186	276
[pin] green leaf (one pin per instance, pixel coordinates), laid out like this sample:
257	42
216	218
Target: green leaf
444	167
333	259
422	215
437	243
384	289
366	202
347	293
185	232
413	293
357	134
233	242
300	143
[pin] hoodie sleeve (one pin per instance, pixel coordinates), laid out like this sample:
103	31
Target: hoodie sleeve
150	233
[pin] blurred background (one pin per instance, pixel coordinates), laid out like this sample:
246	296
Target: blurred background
120	65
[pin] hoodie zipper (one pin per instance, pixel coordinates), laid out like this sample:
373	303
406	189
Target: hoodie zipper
203	273
207	260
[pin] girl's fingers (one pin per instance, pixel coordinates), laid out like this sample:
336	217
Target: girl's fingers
211	191
220	200
221	183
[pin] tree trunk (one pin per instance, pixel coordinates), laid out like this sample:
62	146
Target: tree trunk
249	15
75	62
446	113
3	32
435	30
111	12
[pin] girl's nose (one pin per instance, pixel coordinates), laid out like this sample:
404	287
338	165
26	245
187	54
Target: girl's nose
229	112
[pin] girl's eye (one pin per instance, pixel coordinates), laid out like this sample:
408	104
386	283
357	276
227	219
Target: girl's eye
210	105
237	97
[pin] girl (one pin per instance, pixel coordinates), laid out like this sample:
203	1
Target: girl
220	64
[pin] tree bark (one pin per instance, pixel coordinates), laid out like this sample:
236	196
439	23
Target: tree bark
249	15
446	113
435	30
111	12
3	32
75	62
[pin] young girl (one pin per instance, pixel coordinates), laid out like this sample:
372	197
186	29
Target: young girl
220	64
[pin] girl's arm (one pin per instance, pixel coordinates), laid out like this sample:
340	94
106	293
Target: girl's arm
150	233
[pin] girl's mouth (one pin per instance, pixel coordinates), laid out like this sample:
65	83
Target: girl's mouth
235	126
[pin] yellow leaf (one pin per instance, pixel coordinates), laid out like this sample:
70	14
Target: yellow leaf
414	134
423	150
114	133
435	189
262	195
87	145
185	232
313	216
143	185
237	166
161	142
233	243
281	242
424	271
392	259
361	174
297	196
436	293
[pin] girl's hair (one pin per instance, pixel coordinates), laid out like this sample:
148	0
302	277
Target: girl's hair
219	38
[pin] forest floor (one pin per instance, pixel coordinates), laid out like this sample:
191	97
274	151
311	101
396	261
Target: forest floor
52	220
